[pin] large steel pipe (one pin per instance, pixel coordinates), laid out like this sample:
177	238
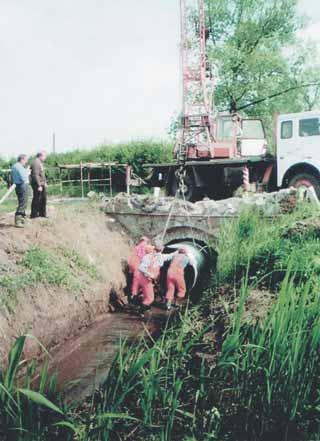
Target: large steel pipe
199	261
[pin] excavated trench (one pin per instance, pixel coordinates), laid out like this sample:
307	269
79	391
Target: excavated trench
83	364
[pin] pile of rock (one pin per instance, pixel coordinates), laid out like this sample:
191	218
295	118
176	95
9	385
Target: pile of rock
271	204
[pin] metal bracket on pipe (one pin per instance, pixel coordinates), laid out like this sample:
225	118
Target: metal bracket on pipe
195	254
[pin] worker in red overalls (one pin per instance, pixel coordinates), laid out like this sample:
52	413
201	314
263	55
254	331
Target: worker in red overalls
175	277
144	277
137	255
148	273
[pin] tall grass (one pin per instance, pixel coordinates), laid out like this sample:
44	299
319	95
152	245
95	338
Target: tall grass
157	387
271	371
259	246
29	413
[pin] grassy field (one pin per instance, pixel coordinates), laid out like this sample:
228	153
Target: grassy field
220	372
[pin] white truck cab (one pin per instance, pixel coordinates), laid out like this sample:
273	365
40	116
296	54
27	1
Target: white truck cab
298	150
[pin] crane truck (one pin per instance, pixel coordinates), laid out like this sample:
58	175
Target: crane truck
215	154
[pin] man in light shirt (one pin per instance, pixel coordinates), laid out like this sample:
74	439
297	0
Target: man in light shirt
20	177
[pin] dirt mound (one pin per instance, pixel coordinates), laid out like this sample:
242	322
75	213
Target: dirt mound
56	274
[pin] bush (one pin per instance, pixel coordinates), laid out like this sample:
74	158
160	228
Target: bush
134	153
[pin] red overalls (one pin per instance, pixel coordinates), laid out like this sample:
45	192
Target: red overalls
144	283
136	257
175	278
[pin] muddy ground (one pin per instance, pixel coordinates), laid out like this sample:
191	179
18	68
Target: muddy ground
55	314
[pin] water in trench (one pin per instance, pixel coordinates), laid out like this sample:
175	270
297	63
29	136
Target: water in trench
82	364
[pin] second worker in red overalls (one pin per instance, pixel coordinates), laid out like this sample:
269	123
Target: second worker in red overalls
176	277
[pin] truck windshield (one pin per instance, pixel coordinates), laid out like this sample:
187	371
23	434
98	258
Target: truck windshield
252	129
226	128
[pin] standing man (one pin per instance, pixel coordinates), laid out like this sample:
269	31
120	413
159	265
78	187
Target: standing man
20	177
39	186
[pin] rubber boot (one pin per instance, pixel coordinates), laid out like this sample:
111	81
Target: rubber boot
134	300
19	221
144	309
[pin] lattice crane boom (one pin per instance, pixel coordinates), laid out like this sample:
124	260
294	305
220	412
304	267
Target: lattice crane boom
197	125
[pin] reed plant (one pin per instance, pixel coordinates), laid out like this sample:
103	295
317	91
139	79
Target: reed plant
270	371
30	410
154	390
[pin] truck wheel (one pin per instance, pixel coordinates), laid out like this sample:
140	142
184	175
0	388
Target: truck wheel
188	192
305	180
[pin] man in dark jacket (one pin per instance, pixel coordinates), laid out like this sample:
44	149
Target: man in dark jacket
39	186
20	177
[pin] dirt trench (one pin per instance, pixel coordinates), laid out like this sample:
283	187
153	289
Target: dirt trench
89	253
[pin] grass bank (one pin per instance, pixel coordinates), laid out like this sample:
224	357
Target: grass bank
241	365
56	274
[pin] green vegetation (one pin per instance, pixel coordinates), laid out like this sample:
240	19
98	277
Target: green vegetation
263	65
58	267
272	370
24	406
263	249
213	374
134	153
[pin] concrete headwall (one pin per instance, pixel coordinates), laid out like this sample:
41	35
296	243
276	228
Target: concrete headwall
171	219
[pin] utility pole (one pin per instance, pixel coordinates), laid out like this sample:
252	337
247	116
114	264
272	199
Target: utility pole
54	143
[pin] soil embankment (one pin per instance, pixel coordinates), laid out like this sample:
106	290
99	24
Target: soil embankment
56	275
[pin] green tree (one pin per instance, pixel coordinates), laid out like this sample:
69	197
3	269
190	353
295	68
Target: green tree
261	65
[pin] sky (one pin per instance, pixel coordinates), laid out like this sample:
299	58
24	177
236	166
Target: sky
91	71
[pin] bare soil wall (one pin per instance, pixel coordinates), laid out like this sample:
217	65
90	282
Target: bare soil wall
54	313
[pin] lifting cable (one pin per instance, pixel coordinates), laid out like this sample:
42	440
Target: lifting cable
181	174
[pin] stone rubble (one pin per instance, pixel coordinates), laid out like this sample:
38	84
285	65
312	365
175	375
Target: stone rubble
270	204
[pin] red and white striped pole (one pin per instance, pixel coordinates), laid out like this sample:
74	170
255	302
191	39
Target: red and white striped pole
246	178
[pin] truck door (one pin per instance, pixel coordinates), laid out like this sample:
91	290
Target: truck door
252	139
287	147
298	141
309	134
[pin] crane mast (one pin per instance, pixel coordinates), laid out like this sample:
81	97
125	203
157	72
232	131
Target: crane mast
197	126
214	152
